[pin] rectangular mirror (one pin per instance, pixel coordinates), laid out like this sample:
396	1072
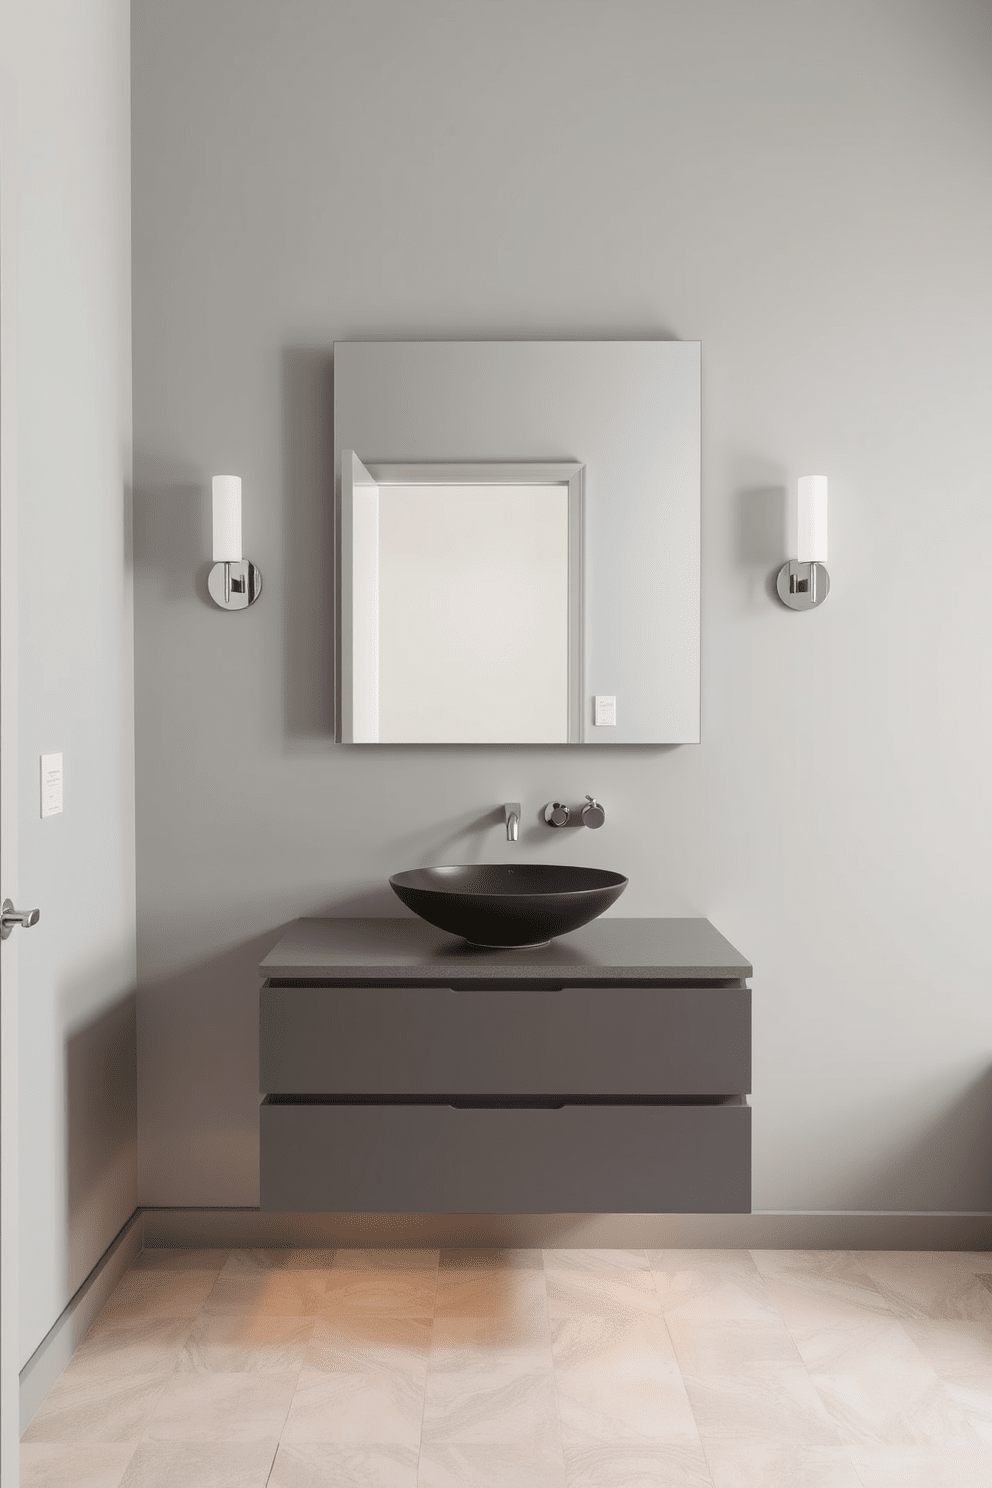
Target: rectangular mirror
518	537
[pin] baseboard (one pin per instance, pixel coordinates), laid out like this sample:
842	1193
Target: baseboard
70	1328
247	1228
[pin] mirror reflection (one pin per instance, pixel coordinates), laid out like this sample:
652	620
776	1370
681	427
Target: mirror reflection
465	604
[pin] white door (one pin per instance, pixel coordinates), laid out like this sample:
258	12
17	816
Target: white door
9	1307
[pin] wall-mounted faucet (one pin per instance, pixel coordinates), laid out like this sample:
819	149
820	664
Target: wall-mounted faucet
557	814
512	813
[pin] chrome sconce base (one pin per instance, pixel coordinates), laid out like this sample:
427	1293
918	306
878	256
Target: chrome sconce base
802	586
234	586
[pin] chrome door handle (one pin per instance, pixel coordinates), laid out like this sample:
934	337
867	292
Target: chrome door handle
9	917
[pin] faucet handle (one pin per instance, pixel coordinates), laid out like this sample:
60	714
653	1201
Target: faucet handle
556	814
593	814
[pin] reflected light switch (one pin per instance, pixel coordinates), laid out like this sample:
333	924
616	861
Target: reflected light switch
606	712
51	784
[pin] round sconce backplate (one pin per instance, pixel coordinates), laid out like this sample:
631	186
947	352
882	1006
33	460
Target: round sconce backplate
802	586
234	586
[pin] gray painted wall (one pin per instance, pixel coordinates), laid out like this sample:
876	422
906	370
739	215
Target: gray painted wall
67	228
804	189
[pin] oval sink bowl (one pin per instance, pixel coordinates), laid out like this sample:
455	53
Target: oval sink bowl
508	904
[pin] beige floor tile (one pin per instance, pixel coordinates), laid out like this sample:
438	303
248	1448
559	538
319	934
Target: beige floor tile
379	1408
770	1403
51	1465
617	1347
617	1381
596	1294
908	1407
820	1286
389	1293
353	1344
930	1284
675	1464
491	1293
270	1293
906	1467
175	1259
485	1258
489	1465
384	1259
116	1347
956	1348
84	1408
252	1262
600	1262
613	1407
960	1353
711	1286
750	1464
876	1345
467	1342
221	1408
729	1348
158	1293
200	1465
318	1465
220	1344
502	1403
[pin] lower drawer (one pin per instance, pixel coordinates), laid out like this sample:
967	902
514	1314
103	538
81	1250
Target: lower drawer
647	1159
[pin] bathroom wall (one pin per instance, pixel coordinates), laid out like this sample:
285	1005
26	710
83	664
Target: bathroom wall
67	249
803	187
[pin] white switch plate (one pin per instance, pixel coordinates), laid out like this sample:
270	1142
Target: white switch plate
606	712
51	784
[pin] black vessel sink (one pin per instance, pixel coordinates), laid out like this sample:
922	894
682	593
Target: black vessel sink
508	904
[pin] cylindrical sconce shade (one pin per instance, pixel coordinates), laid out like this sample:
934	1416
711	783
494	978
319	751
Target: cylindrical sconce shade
227	519
812	519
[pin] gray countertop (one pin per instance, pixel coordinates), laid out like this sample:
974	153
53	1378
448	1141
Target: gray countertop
408	949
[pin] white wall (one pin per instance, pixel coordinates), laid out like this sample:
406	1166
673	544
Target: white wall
66	79
804	188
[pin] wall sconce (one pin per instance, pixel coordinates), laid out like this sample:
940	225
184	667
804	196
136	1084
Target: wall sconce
234	582
803	582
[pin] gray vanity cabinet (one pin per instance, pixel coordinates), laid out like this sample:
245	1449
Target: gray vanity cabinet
403	1071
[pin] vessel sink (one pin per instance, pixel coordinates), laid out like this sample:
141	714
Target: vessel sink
508	904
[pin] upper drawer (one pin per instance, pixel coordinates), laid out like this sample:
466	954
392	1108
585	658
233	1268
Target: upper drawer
572	1041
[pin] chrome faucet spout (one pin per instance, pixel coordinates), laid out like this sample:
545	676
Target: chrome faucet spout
511	812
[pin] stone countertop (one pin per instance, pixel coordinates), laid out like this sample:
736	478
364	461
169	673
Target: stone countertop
408	949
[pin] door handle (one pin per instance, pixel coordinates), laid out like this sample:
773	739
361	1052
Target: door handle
9	917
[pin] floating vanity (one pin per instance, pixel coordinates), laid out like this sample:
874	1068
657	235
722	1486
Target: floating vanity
405	1071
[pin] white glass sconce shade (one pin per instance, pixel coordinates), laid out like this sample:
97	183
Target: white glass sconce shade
812	519
227	518
234	582
803	583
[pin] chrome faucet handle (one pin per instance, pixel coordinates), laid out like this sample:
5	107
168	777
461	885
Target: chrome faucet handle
556	814
593	814
511	812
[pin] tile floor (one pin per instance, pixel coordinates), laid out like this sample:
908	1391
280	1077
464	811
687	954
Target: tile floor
529	1369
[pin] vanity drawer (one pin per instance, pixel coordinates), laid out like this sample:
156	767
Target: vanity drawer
427	1158
518	1041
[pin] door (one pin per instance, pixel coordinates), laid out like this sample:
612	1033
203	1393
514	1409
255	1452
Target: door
9	1342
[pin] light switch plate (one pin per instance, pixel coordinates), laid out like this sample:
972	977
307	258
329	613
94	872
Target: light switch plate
606	712
51	784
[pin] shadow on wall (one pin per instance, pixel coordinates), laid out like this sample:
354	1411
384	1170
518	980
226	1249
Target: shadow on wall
101	1135
762	535
308	542
946	1166
172	535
